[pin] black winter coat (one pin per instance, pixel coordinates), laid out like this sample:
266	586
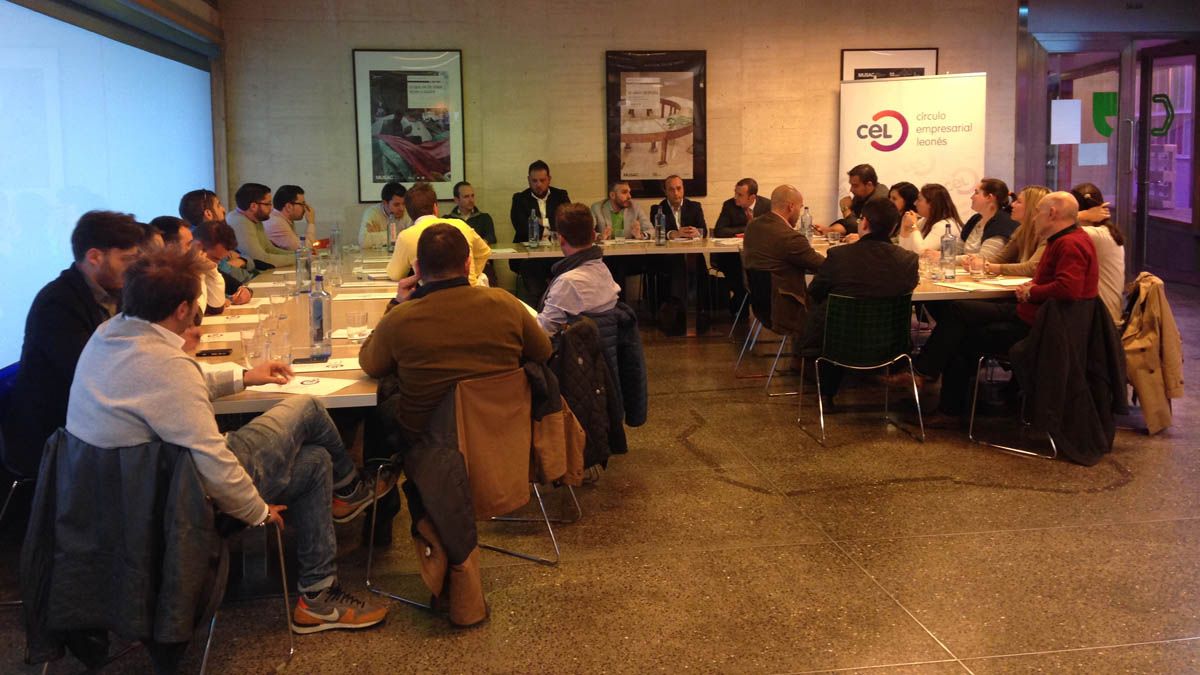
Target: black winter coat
586	383
626	361
1072	368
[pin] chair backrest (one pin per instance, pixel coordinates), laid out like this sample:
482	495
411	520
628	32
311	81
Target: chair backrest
761	293
494	437
866	331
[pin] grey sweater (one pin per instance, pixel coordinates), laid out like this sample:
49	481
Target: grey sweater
134	384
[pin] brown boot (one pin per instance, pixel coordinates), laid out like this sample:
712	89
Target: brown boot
467	605
431	556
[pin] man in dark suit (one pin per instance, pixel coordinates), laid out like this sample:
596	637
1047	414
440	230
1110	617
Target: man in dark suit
773	245
543	199
872	267
684	219
61	319
864	185
736	213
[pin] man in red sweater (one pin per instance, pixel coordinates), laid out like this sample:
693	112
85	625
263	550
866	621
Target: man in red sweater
1068	270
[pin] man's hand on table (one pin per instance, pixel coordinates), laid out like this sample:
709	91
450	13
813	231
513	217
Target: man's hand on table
1022	291
271	372
689	232
241	296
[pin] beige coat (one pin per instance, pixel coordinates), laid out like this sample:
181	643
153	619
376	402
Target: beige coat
1153	352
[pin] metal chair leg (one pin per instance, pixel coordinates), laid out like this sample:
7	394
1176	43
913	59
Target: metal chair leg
748	346
820	400
371	586
738	316
287	602
1005	448
212	625
774	364
526	556
11	491
561	520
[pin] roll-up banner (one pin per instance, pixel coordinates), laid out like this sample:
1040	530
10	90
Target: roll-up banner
916	129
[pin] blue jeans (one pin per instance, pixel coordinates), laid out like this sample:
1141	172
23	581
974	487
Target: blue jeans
295	456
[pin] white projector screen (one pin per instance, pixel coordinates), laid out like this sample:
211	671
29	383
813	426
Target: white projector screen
87	123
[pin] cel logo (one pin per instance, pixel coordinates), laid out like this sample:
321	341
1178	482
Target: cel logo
882	131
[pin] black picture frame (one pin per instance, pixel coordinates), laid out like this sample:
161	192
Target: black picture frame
878	64
426	142
658	138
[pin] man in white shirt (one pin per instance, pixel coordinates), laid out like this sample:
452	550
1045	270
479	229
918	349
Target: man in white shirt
290	206
135	384
421	203
580	282
382	221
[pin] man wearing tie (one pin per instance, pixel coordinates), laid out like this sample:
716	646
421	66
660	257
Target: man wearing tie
535	274
736	213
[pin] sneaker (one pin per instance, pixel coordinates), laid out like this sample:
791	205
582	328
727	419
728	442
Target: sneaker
333	608
351	506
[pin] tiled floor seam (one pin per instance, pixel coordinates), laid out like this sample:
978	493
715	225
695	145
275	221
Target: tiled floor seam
871	667
1046	528
862	569
1084	649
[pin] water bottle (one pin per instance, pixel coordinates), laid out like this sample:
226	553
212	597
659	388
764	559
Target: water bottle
303	266
948	250
392	232
535	229
806	224
660	228
320	317
335	257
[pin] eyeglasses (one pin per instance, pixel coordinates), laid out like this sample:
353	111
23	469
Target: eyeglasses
263	203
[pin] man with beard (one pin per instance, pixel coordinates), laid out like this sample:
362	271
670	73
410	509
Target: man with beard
541	199
62	317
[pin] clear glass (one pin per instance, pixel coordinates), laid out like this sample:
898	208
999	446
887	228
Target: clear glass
357	326
1172	145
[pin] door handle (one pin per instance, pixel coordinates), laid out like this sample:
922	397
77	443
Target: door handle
1132	155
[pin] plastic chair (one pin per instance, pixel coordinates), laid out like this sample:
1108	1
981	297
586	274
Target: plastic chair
866	334
759	291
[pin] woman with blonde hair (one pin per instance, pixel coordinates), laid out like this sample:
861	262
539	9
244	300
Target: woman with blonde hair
1020	256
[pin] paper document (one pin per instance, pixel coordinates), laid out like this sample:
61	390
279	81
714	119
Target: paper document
342	333
278	272
267	284
726	241
311	385
965	285
229	319
219	337
504	250
384	295
255	303
349	363
364	284
1015	281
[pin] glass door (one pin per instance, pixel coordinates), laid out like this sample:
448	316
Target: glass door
1168	229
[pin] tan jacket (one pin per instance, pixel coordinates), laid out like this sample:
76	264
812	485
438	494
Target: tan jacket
1153	352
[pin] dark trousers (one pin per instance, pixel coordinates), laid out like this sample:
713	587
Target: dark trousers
965	330
730	265
535	278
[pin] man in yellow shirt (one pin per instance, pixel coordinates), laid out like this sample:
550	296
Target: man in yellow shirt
421	204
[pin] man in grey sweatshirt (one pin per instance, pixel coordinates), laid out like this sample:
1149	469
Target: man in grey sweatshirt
135	384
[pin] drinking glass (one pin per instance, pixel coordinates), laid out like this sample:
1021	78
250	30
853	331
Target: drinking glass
357	327
976	267
834	238
252	347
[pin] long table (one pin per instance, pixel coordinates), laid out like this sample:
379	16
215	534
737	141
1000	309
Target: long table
362	392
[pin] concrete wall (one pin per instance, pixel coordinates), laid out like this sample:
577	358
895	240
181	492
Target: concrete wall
533	85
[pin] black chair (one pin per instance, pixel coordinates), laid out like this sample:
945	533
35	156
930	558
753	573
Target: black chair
866	334
759	291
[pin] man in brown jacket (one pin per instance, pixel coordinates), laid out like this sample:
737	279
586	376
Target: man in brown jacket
438	331
772	244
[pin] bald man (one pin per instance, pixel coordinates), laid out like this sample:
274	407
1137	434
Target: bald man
1068	270
772	244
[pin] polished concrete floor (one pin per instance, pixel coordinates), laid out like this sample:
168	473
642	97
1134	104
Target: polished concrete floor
728	540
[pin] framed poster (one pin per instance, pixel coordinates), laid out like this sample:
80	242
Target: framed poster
409	121
655	120
878	64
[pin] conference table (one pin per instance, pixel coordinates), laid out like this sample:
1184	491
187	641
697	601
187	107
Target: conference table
340	383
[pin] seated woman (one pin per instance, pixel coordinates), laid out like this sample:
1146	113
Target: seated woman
935	210
1020	256
904	196
1109	242
988	231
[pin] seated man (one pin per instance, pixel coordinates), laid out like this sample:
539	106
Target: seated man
1068	270
683	219
540	200
871	268
579	282
383	221
466	211
864	185
772	244
61	318
213	299
435	334
135	384
421	203
290	206
253	207
216	240
618	217
200	206
736	214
